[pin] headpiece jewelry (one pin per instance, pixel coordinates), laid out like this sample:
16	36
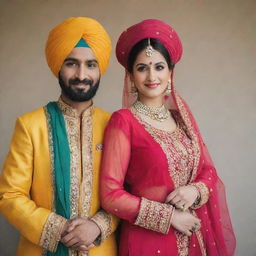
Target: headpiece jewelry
149	49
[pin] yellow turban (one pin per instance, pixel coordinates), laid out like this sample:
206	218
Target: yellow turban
63	38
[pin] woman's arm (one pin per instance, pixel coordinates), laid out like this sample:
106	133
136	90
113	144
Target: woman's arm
115	199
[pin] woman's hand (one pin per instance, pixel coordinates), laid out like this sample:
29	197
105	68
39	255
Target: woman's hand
183	197
185	222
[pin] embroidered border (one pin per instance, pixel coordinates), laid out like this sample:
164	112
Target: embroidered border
51	152
66	109
180	177
204	194
191	132
154	216
186	125
87	162
182	243
182	240
200	238
73	132
51	234
104	222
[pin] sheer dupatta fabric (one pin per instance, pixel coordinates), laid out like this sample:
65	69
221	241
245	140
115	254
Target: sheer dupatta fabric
217	228
127	177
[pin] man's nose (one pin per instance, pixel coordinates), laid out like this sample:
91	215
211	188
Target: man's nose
82	72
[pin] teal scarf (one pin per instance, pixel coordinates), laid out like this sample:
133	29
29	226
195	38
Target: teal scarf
61	167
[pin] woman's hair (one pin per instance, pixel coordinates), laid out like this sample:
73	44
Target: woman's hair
141	45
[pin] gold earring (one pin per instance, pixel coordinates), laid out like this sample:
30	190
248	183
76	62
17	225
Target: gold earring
168	88
133	88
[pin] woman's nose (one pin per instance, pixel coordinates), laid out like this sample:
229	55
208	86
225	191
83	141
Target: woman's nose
151	75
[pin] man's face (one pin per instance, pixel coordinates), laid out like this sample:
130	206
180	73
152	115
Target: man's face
79	75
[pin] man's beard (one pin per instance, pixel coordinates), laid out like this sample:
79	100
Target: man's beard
78	94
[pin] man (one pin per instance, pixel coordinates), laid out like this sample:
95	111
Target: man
49	184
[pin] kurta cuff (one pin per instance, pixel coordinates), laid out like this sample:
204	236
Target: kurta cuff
104	221
51	234
203	194
155	216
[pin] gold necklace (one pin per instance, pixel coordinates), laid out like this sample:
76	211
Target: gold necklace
156	113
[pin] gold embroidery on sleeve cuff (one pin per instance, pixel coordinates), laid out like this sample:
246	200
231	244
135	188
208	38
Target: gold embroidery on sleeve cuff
154	216
104	222
204	194
51	234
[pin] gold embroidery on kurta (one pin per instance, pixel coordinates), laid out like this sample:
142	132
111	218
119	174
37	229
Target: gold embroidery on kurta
79	131
51	153
87	161
73	132
104	222
154	216
188	150
182	243
196	146
200	238
51	234
80	138
192	134
204	194
177	147
48	237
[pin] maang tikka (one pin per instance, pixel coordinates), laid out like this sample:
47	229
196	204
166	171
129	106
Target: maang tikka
149	49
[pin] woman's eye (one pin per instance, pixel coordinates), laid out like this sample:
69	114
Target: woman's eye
141	68
159	67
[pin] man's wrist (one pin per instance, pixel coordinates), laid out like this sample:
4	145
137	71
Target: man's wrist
97	241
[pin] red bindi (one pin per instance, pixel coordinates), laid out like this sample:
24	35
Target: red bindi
150	63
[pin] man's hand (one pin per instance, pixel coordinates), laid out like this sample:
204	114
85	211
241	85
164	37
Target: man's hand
81	233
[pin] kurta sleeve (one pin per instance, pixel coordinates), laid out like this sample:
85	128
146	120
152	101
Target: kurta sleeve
115	199
39	225
206	180
107	224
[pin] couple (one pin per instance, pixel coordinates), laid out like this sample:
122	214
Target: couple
156	174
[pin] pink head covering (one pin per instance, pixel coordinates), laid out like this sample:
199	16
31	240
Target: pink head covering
150	28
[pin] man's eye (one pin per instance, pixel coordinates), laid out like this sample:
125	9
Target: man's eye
92	65
71	64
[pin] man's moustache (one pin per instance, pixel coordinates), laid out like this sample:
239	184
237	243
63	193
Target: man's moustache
78	81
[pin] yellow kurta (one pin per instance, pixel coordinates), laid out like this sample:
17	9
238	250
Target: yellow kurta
26	183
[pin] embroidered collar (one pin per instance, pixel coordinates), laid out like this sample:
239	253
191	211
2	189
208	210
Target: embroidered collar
69	111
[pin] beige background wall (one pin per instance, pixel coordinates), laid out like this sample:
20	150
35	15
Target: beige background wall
216	76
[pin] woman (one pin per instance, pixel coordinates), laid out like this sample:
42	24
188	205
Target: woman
156	172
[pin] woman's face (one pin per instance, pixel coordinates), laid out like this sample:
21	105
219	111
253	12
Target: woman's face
150	75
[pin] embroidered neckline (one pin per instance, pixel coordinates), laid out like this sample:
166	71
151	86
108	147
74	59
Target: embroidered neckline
69	111
175	132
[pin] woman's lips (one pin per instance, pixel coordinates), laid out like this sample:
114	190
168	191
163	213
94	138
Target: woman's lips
153	85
